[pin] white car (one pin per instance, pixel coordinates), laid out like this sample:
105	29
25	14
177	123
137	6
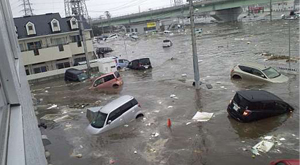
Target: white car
114	114
257	72
167	43
110	37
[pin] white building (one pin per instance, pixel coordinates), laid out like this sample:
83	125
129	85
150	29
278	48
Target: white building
49	42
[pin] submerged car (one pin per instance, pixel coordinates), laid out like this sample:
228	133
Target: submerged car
140	64
167	43
107	81
114	114
251	71
251	105
75	75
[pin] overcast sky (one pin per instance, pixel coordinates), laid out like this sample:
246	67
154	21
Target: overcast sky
95	7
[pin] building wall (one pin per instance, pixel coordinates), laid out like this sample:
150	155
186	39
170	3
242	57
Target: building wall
55	51
140	28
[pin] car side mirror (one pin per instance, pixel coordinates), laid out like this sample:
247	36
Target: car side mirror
109	121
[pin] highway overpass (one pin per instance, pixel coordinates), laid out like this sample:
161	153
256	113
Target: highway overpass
183	11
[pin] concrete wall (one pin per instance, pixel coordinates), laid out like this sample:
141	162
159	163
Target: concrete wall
141	27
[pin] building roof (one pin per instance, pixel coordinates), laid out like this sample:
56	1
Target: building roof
42	24
258	95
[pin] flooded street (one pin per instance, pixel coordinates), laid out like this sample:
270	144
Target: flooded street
221	139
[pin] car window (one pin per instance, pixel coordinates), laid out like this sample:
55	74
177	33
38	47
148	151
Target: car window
125	107
270	106
121	61
135	63
280	163
133	102
241	101
258	73
117	74
109	77
281	106
245	69
114	115
99	120
98	82
271	72
145	61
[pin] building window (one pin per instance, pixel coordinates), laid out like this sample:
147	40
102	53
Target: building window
79	59
63	65
35	46
40	69
55	24
136	30
22	49
27	72
30	29
61	47
79	44
73	22
132	30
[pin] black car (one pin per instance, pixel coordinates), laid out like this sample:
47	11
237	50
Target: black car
140	64
251	105
75	75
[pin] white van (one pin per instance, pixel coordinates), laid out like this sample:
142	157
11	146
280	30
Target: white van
114	114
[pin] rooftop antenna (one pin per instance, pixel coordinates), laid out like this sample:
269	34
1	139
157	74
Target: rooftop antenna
27	8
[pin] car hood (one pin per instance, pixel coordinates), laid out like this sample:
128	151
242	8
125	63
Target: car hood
92	130
280	79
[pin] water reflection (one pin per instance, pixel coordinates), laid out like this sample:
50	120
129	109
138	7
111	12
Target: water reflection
259	128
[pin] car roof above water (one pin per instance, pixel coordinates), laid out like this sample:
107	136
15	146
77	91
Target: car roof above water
74	71
108	108
254	65
258	95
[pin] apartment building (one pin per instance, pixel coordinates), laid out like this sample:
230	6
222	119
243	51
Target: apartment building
49	43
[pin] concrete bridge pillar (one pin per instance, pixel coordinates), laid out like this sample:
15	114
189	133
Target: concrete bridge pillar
227	15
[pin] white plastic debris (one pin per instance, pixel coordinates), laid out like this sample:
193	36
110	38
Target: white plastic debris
170	107
135	152
293	135
126	125
46	91
61	118
183	75
53	106
282	139
200	60
203	116
155	134
156	111
263	146
188	123
172	96
268	137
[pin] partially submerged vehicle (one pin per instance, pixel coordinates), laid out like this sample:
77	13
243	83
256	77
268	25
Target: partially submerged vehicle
114	114
257	72
110	80
140	64
251	105
167	43
73	74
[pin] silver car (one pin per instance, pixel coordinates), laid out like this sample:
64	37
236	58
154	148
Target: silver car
114	114
257	72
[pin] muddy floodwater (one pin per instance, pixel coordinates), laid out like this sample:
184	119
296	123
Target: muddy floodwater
221	140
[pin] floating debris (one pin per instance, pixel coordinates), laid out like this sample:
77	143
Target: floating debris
263	146
53	106
203	116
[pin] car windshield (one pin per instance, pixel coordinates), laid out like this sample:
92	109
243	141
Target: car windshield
271	72
82	76
99	120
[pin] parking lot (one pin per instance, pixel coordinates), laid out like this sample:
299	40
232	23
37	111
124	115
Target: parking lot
219	140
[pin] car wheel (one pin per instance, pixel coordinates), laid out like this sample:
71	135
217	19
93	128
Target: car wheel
119	68
115	86
236	77
139	116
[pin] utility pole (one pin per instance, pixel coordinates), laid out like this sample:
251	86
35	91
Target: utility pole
81	32
194	47
270	10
